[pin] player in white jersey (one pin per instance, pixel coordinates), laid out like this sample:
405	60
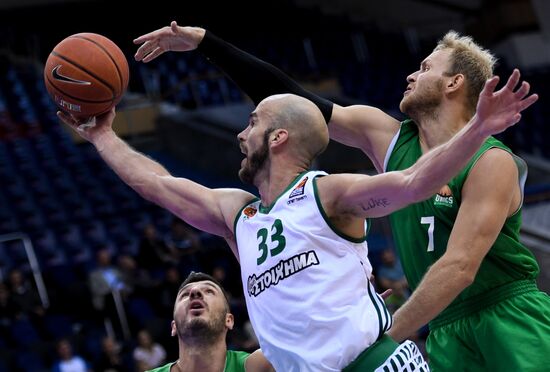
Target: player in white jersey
324	315
307	282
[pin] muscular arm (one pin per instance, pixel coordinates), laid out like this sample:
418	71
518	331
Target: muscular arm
364	127
258	79
490	194
210	210
379	195
359	126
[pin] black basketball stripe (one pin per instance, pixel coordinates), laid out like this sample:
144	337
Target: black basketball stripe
389	318
381	327
54	53
73	97
109	55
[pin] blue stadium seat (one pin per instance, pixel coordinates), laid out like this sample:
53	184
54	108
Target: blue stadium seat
29	361
94	232
23	333
58	326
140	311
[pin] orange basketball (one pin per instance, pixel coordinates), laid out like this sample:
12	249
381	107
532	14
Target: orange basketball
86	74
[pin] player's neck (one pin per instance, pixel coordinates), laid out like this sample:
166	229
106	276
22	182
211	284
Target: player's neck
194	358
438	128
277	179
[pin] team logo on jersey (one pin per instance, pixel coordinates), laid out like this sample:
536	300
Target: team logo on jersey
250	211
283	269
444	197
299	189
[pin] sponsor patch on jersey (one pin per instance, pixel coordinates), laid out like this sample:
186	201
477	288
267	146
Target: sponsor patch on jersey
281	271
444	197
250	211
299	189
292	201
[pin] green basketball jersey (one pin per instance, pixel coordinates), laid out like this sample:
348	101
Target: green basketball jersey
421	231
234	362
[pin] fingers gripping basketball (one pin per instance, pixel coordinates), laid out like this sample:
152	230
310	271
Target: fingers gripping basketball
86	74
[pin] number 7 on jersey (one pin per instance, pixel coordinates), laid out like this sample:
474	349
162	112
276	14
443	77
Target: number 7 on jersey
431	222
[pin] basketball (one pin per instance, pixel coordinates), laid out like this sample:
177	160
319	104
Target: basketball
86	74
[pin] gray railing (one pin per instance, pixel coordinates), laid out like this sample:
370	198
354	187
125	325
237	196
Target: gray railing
33	262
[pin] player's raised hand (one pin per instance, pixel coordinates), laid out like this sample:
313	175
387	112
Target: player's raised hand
92	128
499	110
170	38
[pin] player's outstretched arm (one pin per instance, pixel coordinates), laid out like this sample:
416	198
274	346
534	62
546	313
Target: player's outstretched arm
382	194
255	77
364	127
210	210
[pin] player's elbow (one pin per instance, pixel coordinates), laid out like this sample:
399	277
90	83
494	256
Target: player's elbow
414	188
466	276
464	271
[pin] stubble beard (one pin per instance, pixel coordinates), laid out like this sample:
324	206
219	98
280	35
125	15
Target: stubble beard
422	104
255	162
200	331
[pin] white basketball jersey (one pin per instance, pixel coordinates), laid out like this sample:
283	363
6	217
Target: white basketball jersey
306	284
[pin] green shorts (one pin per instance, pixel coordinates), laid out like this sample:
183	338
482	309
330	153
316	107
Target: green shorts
511	335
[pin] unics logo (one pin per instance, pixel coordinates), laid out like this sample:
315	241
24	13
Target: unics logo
444	197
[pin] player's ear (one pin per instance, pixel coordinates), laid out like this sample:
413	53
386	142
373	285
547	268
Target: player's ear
229	321
454	83
174	328
278	137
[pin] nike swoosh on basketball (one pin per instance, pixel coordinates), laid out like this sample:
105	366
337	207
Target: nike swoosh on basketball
57	76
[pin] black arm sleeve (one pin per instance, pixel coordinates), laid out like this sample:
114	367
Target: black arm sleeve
258	79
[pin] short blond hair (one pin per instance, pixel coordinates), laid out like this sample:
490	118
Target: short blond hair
471	60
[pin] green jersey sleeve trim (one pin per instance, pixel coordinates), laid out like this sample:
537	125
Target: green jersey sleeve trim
266	210
164	368
520	164
522	177
235	361
236	220
327	220
392	145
